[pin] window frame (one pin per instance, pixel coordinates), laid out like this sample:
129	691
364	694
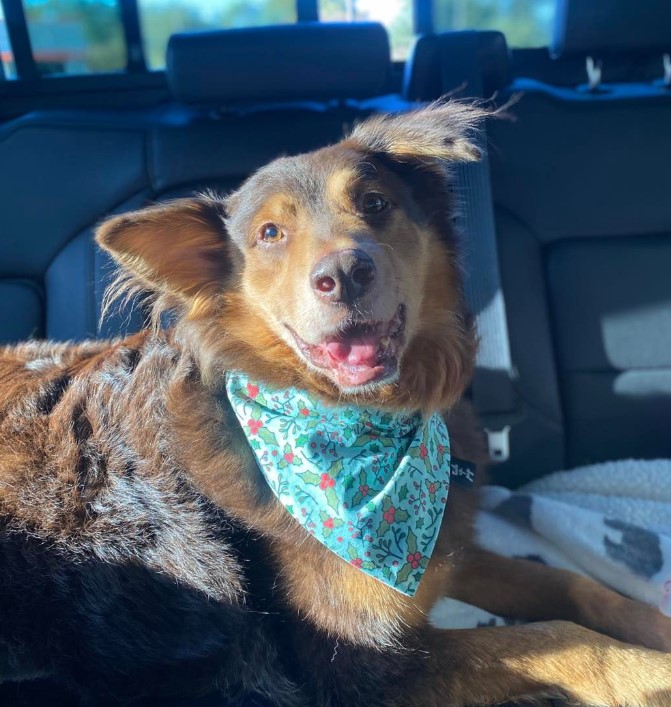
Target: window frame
29	81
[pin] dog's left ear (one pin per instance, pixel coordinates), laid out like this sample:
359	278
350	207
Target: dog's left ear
442	132
179	247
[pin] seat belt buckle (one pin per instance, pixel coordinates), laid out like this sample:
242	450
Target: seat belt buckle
498	443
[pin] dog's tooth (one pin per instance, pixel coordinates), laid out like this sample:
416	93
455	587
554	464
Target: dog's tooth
384	342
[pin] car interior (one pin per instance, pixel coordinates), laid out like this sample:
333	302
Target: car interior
566	222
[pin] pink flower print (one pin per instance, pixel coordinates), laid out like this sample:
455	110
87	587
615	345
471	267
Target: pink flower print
252	390
326	482
254	426
440	448
432	488
304	411
389	515
274	452
364	489
289	457
414	558
339	538
357	562
423	451
328	523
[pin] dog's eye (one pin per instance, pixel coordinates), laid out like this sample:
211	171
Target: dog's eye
270	233
373	203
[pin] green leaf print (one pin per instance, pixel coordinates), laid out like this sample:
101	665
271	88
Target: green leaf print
301	440
309	477
404	573
412	541
268	437
362	441
403	492
332	498
351	551
401	515
336	468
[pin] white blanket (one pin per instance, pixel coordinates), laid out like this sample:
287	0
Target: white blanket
611	522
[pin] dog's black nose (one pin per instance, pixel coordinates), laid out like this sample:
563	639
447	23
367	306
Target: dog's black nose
343	276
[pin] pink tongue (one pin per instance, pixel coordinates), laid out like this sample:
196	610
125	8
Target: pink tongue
360	350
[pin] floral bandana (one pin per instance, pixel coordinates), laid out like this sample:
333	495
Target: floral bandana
371	486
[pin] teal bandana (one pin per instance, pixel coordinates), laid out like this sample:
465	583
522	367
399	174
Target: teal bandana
370	486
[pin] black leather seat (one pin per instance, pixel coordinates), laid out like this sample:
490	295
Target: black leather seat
581	181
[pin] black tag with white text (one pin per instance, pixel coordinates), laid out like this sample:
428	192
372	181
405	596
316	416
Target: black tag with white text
462	472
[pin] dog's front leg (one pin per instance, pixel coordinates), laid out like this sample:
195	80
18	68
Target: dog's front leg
556	659
521	589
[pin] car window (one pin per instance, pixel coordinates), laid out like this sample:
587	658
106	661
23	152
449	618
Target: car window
161	18
76	36
395	15
8	70
526	23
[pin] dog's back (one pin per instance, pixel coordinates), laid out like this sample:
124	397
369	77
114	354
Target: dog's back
112	565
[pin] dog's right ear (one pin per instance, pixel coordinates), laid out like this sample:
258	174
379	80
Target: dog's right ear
440	133
179	247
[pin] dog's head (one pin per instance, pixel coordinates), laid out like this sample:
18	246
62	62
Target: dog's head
335	270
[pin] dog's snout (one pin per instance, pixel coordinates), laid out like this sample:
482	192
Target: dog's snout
343	276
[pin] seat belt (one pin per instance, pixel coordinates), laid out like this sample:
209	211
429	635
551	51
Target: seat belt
492	389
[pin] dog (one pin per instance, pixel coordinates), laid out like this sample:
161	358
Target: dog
144	547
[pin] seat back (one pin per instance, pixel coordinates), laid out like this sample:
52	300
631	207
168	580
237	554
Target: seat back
584	235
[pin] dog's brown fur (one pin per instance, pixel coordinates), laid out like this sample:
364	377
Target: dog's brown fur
141	551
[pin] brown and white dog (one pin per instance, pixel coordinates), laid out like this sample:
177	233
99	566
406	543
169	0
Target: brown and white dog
141	551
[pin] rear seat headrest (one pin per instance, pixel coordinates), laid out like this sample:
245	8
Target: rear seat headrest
440	63
302	61
601	27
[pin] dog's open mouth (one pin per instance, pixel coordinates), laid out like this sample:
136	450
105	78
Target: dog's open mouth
361	353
